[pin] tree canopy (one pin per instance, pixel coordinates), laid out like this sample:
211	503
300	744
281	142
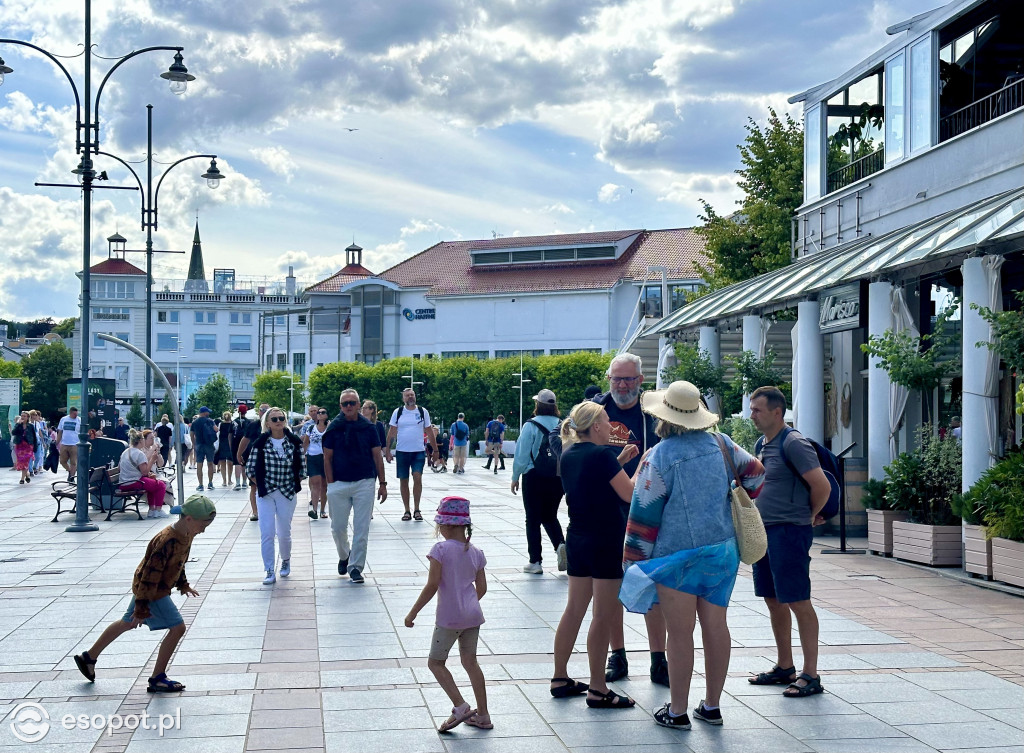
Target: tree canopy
48	369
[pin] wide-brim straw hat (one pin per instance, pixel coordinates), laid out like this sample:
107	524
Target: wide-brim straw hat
679	404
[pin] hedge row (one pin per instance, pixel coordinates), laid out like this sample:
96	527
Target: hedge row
480	389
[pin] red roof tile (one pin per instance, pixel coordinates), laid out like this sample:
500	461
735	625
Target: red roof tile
340	279
446	268
115	267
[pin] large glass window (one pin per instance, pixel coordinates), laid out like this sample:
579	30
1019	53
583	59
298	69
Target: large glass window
566	351
240	342
237	317
853	123
205	342
921	110
299	365
282	362
812	153
166	341
895	107
512	353
480	355
112	289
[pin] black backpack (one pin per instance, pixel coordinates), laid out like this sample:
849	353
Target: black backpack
460	433
241	423
545	462
829	466
399	412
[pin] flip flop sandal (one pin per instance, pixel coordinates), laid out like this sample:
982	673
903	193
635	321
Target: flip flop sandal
459	715
407	515
417	516
311	512
86	665
323	514
161	684
480	722
610	700
813	687
570	688
778	676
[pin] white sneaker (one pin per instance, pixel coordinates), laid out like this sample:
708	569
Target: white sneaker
151	513
563	558
161	512
270	579
534	568
286	568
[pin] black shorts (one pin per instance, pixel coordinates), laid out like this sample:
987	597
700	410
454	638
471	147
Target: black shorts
594	557
314	465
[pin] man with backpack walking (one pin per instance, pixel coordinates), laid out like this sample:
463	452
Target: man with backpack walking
410	425
494	438
460	443
237	433
536	463
795	492
204	434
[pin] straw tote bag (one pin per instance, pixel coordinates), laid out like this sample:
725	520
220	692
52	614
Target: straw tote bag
750	534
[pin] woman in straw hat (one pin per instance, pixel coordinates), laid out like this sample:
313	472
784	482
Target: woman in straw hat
681	542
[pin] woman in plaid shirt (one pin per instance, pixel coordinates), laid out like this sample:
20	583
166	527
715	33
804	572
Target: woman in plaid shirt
276	466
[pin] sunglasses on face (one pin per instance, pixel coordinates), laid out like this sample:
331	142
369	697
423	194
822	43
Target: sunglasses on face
348	403
277	419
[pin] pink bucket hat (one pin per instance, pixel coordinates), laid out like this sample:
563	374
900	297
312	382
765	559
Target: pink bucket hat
453	511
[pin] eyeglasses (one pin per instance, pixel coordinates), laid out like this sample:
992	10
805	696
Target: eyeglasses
347	403
321	413
277	419
620	380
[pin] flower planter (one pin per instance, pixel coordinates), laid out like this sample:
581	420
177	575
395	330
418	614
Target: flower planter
880	530
1008	561
977	551
929	545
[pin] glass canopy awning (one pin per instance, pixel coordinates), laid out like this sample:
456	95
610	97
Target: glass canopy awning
987	222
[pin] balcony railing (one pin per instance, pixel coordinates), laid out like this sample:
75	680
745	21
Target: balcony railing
856	170
1007	99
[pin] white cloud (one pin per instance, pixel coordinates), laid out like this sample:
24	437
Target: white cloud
416	227
277	159
608	193
556	208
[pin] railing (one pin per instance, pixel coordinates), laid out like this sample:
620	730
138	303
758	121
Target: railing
170	296
1007	99
206	297
239	298
856	170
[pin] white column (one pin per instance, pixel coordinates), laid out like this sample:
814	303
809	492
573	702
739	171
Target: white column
879	320
974	420
751	342
712	344
810	400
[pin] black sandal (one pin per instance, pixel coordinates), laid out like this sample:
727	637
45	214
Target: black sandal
610	700
813	687
407	515
162	684
417	516
86	665
778	676
570	688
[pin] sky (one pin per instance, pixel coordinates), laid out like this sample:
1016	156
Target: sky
394	124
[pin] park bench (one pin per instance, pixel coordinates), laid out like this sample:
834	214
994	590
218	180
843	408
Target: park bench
67	491
113	499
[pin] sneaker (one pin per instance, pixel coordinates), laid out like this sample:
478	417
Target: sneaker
286	568
343	566
151	513
659	672
245	483
665	718
209	487
618	666
161	512
711	716
270	579
355	575
563	558
238	487
200	488
534	568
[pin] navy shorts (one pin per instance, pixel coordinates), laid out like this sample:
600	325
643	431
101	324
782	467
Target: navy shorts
784	573
205	453
594	557
409	461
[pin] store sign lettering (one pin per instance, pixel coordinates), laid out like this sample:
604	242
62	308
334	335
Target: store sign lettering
840	308
418	314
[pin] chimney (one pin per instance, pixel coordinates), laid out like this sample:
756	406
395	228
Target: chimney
289	281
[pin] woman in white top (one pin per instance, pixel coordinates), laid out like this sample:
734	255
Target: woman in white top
312	444
135	475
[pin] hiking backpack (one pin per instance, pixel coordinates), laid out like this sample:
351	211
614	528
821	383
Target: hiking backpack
545	462
829	466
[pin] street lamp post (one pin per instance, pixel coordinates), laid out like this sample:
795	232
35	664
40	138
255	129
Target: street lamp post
87	143
520	388
150	222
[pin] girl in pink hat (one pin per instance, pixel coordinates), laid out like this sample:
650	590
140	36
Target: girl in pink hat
457	577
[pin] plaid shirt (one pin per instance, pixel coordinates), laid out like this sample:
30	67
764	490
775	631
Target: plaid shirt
278	471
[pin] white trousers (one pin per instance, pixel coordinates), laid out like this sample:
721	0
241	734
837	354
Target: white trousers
355	498
275	511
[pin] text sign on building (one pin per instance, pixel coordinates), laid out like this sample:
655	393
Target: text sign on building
418	314
841	308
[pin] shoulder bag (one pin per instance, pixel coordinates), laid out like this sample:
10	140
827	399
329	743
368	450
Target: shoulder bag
750	534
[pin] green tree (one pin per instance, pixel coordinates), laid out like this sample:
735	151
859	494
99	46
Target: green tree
48	368
12	370
66	327
166	409
216	394
756	239
272	387
752	372
135	415
694	365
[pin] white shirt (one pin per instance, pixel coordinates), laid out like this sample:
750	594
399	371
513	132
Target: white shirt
316	437
278	445
410	428
69	428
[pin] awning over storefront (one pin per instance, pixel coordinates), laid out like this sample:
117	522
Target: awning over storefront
986	223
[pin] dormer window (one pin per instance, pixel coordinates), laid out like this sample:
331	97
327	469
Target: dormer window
541	255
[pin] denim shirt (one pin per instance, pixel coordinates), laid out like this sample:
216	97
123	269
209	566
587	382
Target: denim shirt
681	496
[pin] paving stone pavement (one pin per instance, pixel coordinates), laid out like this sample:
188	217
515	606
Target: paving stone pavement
912	661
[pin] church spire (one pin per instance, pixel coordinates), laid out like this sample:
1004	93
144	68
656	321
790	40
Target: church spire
196	282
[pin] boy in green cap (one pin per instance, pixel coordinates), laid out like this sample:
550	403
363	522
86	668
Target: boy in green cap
162	569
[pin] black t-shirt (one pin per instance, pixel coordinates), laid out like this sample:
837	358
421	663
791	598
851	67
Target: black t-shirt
164	432
352	444
253	430
205	431
225	430
595	508
628	428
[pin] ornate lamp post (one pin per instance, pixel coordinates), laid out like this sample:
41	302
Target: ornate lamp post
87	143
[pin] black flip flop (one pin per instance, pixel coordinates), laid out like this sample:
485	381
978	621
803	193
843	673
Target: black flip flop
571	688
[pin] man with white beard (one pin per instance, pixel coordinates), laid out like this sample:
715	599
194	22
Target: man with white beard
630	425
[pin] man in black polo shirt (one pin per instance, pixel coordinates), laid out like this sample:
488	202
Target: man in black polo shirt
352	460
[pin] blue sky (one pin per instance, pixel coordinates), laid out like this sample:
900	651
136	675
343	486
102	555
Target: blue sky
473	117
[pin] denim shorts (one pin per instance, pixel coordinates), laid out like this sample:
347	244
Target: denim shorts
205	453
406	461
163	614
784	573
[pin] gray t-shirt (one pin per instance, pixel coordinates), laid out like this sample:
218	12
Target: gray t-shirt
784	499
131	459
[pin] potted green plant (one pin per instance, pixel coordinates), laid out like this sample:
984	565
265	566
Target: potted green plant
977	545
881	516
1002	489
923	484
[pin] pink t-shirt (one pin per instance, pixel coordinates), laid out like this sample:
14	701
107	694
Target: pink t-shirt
458	608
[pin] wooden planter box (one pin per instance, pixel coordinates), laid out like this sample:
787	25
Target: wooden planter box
977	551
929	545
1008	561
880	530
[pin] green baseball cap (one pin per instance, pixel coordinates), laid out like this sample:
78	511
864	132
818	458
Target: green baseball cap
199	507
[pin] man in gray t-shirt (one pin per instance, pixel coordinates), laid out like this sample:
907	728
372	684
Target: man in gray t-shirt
789	505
